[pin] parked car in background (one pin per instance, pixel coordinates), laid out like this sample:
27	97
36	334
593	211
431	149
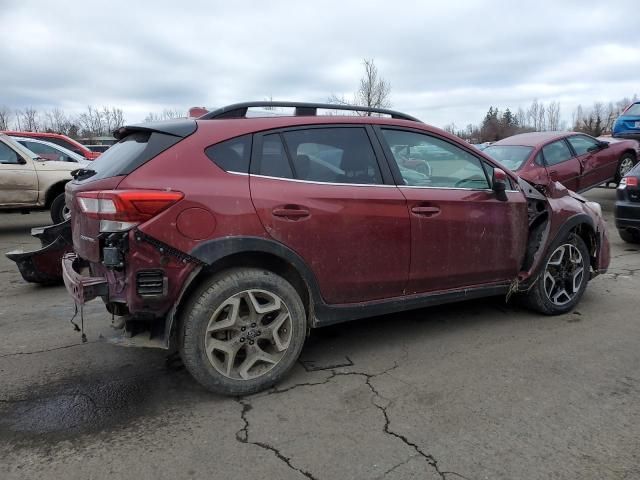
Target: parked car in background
49	151
58	139
627	209
98	148
29	182
576	160
313	220
627	125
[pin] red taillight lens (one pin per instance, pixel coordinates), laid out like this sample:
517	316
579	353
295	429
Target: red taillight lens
126	205
631	181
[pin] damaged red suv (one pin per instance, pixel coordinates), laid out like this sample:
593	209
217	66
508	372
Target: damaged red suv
230	238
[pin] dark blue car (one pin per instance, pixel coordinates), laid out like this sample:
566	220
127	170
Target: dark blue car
628	124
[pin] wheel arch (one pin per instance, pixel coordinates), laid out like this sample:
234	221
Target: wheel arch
248	252
53	191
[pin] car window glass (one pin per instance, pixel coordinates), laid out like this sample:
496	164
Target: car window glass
428	161
64	143
511	156
45	151
273	158
334	155
633	110
556	152
7	155
582	144
232	155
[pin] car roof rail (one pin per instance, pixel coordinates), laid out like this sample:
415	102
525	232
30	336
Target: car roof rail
239	110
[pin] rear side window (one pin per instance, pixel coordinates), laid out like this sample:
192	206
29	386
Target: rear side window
231	155
333	155
582	144
556	152
273	158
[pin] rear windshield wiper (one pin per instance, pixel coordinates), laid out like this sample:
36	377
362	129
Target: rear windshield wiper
82	173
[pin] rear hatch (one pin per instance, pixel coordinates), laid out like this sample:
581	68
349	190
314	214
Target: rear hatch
138	144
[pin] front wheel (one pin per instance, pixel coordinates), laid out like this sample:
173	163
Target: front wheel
59	210
563	280
243	331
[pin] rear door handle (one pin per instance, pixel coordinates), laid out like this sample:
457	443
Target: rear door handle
292	213
426	211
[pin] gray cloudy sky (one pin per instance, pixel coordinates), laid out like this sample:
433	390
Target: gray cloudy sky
446	61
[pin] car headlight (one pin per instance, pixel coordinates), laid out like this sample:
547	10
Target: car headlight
595	206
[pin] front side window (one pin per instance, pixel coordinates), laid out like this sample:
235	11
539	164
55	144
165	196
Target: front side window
7	155
333	155
426	161
582	144
556	152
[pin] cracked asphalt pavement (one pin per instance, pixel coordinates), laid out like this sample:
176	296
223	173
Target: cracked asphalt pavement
478	390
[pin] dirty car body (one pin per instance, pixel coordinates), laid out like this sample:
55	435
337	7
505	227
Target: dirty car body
353	216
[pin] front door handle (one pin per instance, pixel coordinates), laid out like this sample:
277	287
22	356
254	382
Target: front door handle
426	211
291	213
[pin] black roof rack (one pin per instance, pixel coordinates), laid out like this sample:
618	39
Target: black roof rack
239	110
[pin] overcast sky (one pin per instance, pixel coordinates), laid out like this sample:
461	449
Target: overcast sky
446	61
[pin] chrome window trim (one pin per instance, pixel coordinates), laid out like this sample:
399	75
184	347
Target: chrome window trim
488	190
325	183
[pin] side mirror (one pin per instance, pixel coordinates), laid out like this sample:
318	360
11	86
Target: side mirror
603	144
499	184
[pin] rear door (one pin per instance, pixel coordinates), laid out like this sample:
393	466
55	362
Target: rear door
598	164
461	234
323	192
18	178
562	165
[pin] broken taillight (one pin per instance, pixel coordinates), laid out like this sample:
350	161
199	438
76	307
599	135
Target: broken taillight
121	210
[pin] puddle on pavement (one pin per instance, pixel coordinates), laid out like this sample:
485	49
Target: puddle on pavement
86	405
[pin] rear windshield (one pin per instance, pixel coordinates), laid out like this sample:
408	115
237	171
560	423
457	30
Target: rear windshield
511	156
633	109
131	152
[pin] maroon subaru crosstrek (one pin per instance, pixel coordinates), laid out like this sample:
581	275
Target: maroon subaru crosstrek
230	238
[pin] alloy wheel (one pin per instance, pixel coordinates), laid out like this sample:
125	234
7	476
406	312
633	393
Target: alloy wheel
564	274
248	334
66	213
625	166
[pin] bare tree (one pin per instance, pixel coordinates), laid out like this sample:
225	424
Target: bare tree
30	119
167	114
373	92
553	116
521	117
5	115
90	122
533	114
56	121
542	124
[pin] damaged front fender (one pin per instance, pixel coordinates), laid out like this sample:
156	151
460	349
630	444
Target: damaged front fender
44	265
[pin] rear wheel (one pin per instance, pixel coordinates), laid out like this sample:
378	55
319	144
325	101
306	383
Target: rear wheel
630	236
563	280
243	331
59	210
625	164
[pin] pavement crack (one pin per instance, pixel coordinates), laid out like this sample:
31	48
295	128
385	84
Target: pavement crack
242	436
15	354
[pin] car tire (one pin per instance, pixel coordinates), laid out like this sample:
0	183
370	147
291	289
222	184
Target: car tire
629	236
627	162
242	331
59	211
563	279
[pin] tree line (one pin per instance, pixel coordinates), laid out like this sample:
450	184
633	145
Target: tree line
93	122
596	120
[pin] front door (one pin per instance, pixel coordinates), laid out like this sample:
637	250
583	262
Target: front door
598	164
323	193
461	234
562	165
18	178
